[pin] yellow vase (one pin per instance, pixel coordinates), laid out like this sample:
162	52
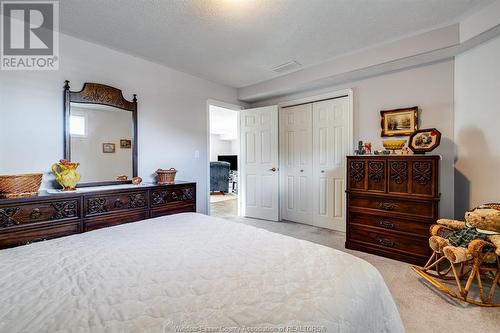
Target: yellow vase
66	174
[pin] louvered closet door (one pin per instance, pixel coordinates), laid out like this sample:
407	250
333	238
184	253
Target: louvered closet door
296	163
330	146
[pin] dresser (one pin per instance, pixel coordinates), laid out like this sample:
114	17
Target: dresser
46	216
391	203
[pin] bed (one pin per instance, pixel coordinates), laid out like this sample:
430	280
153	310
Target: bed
190	273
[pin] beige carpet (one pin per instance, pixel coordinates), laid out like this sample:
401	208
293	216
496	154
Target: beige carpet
421	308
219	197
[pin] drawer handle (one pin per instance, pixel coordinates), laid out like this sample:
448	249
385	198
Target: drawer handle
385	224
35	214
34	240
387	206
118	203
385	242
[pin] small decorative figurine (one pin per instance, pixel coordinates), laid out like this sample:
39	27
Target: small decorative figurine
360	150
121	178
405	151
136	180
368	148
67	176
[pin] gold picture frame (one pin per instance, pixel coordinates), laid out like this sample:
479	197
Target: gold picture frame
108	148
399	122
125	143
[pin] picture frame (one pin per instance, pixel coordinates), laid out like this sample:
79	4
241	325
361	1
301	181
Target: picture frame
125	144
399	122
424	140
108	148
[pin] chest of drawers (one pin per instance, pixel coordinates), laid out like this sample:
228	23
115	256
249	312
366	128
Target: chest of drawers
391	203
27	220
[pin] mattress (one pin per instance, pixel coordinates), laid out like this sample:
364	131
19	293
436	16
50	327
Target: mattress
190	273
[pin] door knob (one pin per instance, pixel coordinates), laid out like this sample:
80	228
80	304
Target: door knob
301	170
272	169
322	171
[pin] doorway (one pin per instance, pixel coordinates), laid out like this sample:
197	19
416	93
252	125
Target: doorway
224	152
283	161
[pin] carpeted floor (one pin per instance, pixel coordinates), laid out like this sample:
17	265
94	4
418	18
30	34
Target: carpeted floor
222	197
421	308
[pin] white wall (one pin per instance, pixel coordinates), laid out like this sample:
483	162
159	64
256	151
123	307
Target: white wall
222	147
477	126
172	112
429	87
104	125
223	132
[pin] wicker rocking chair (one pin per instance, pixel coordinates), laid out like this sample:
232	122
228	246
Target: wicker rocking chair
482	266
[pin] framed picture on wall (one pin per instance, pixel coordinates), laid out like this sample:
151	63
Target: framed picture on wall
399	122
108	148
424	140
125	143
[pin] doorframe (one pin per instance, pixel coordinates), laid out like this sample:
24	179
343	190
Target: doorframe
349	93
229	106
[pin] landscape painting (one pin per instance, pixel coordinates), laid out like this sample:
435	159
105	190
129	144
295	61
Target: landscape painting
399	122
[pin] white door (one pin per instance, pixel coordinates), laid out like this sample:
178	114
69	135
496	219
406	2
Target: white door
296	163
259	158
331	144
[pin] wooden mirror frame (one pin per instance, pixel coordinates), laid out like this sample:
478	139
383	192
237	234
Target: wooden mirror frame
95	93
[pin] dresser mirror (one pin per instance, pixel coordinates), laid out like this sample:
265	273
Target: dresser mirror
100	133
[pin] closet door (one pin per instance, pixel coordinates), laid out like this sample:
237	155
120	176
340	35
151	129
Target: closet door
330	146
296	163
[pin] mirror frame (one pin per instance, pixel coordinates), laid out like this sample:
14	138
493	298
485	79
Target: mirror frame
95	93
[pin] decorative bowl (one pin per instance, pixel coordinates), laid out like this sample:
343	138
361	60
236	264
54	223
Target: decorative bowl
393	144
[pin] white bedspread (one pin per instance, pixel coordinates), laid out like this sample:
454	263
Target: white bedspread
190	273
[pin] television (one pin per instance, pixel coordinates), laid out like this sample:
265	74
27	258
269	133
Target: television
232	159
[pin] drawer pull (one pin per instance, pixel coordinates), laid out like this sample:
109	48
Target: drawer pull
385	242
387	206
385	224
118	203
35	214
31	241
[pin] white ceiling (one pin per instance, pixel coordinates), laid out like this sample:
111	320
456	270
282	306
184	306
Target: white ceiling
237	42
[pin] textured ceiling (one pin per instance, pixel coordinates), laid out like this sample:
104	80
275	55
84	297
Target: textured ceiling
237	42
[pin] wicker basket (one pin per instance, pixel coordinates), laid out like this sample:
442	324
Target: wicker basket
165	177
490	206
13	186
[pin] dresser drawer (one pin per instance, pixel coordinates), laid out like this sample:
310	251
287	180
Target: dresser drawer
117	218
425	209
173	209
23	237
390	240
173	196
390	223
110	203
39	212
